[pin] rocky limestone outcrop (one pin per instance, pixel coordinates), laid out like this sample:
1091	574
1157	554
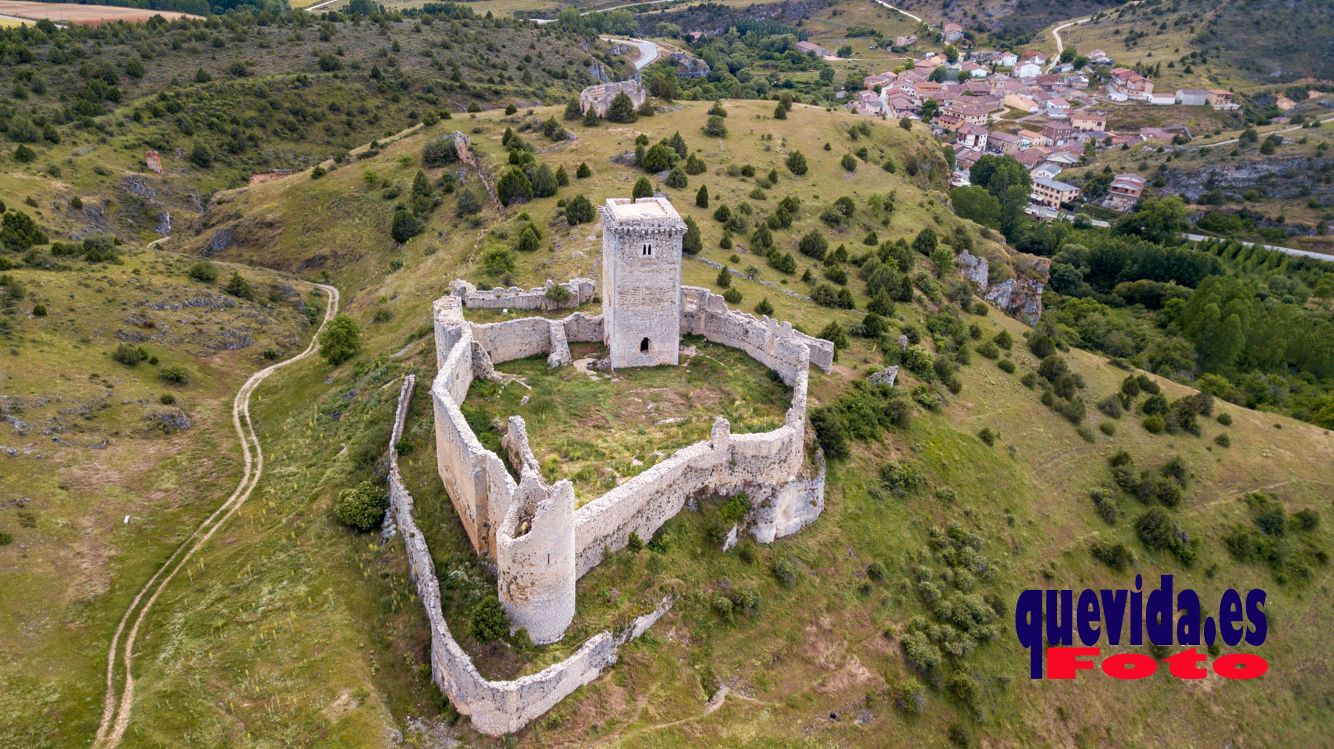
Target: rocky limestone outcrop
1020	295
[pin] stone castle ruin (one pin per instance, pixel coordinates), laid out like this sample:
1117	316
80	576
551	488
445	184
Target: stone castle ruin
598	98
530	530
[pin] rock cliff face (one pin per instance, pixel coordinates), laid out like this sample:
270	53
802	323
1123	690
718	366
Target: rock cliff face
1020	296
1274	176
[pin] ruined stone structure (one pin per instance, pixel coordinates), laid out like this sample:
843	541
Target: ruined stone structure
494	707
581	292
598	98
641	275
539	543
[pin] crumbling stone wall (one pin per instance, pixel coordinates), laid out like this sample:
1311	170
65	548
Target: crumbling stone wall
468	157
598	98
539	542
494	707
582	291
772	343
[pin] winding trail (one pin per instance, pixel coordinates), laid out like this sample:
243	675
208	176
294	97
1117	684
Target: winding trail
116	710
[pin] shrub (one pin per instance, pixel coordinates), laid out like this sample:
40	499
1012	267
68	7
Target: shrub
487	621
796	163
1006	365
1222	440
1105	504
1225	419
813	245
764	307
129	354
722	606
175	374
876	571
204	272
1160	532
902	478
497	261
1111	406
988	436
239	287
849	162
909	696
785	571
1107	428
733	296
1116	556
361	507
440	152
1154	424
529	239
989	350
579	210
922	656
715	127
340	340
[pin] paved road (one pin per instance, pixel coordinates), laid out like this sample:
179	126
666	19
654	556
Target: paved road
116	710
648	51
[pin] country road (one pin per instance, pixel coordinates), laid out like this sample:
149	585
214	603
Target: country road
1229	141
1056	33
899	10
116	710
1285	250
1293	251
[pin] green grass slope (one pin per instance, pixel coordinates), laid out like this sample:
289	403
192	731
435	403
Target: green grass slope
101	476
291	631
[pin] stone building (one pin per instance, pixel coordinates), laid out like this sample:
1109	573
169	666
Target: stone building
641	281
598	98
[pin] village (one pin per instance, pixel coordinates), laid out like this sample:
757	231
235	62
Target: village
1047	113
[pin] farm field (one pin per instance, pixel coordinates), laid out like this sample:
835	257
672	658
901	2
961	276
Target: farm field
85	15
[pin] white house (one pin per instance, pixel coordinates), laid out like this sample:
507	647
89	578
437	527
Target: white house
1007	59
1028	69
1192	97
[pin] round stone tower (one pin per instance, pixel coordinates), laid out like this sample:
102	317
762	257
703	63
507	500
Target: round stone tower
641	281
535	565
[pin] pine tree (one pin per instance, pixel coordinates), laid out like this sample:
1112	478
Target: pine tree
621	109
724	277
583	172
702	197
693	241
579	210
642	189
676	179
796	163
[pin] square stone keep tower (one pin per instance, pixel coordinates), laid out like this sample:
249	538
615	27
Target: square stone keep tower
641	281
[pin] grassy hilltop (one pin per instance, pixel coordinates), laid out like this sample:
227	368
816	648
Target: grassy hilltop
228	97
290	630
